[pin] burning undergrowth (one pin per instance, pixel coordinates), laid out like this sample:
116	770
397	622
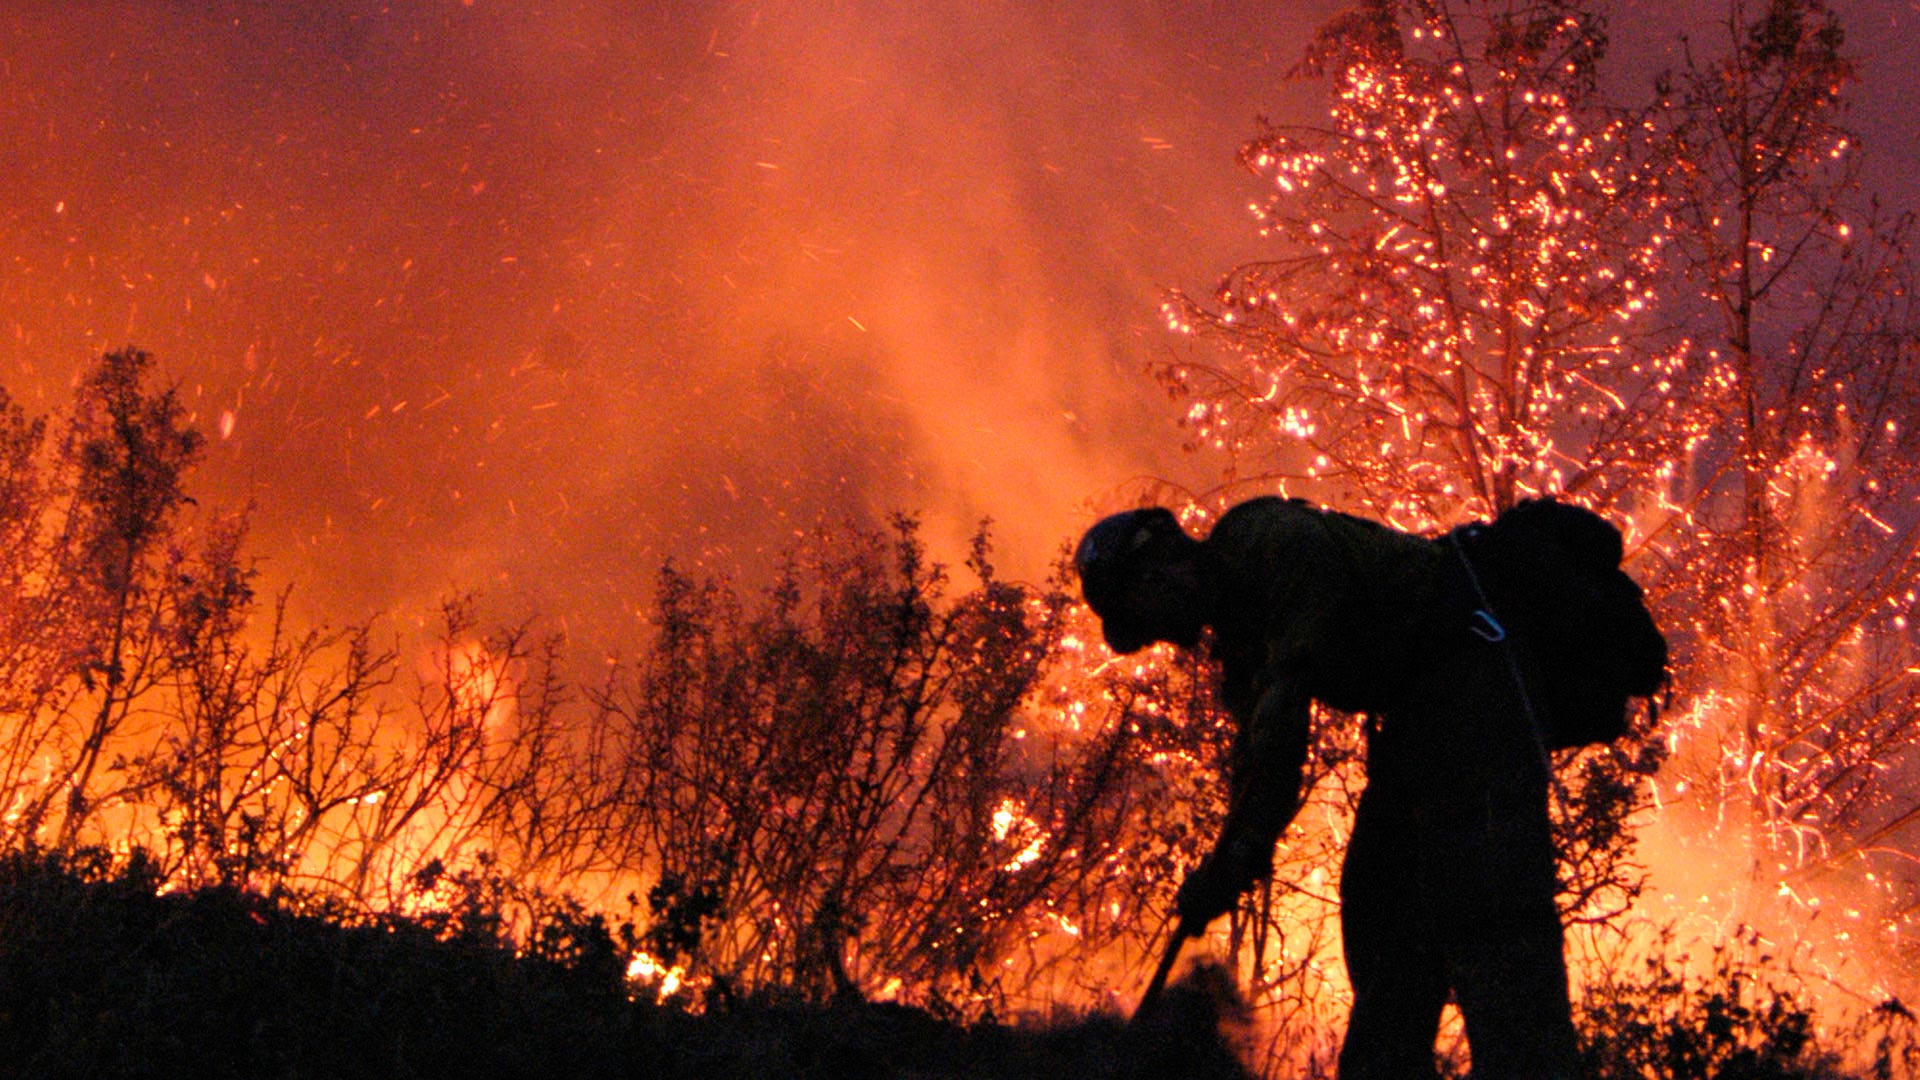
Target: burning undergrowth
873	780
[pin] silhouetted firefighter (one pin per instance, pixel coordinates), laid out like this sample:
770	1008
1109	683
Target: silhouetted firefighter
1472	656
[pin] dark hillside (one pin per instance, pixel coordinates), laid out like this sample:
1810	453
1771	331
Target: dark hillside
101	976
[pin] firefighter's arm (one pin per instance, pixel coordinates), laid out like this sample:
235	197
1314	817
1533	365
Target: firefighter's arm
1266	770
1268	697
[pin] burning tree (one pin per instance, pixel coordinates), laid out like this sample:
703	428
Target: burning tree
1450	320
88	586
1456	316
1798	518
1489	282
147	700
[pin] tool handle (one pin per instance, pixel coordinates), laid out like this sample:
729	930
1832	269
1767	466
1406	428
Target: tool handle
1158	984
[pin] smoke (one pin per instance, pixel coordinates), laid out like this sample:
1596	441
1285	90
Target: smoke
525	299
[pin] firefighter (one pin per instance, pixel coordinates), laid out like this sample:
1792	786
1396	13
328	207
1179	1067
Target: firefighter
1448	882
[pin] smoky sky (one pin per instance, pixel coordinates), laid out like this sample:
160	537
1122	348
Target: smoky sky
526	297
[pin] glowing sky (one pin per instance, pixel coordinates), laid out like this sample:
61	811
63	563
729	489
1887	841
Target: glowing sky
525	296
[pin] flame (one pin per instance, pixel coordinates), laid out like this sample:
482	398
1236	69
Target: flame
1012	825
643	971
476	680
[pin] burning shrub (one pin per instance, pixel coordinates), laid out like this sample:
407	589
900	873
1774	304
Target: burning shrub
842	790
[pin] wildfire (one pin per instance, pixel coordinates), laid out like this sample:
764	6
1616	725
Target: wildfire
1451	321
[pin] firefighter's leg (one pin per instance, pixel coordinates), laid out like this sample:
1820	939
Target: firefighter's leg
1513	995
1399	978
1507	954
1487	863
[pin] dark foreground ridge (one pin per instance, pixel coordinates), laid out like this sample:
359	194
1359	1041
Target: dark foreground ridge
102	977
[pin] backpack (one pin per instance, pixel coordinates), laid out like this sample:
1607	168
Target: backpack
1551	574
